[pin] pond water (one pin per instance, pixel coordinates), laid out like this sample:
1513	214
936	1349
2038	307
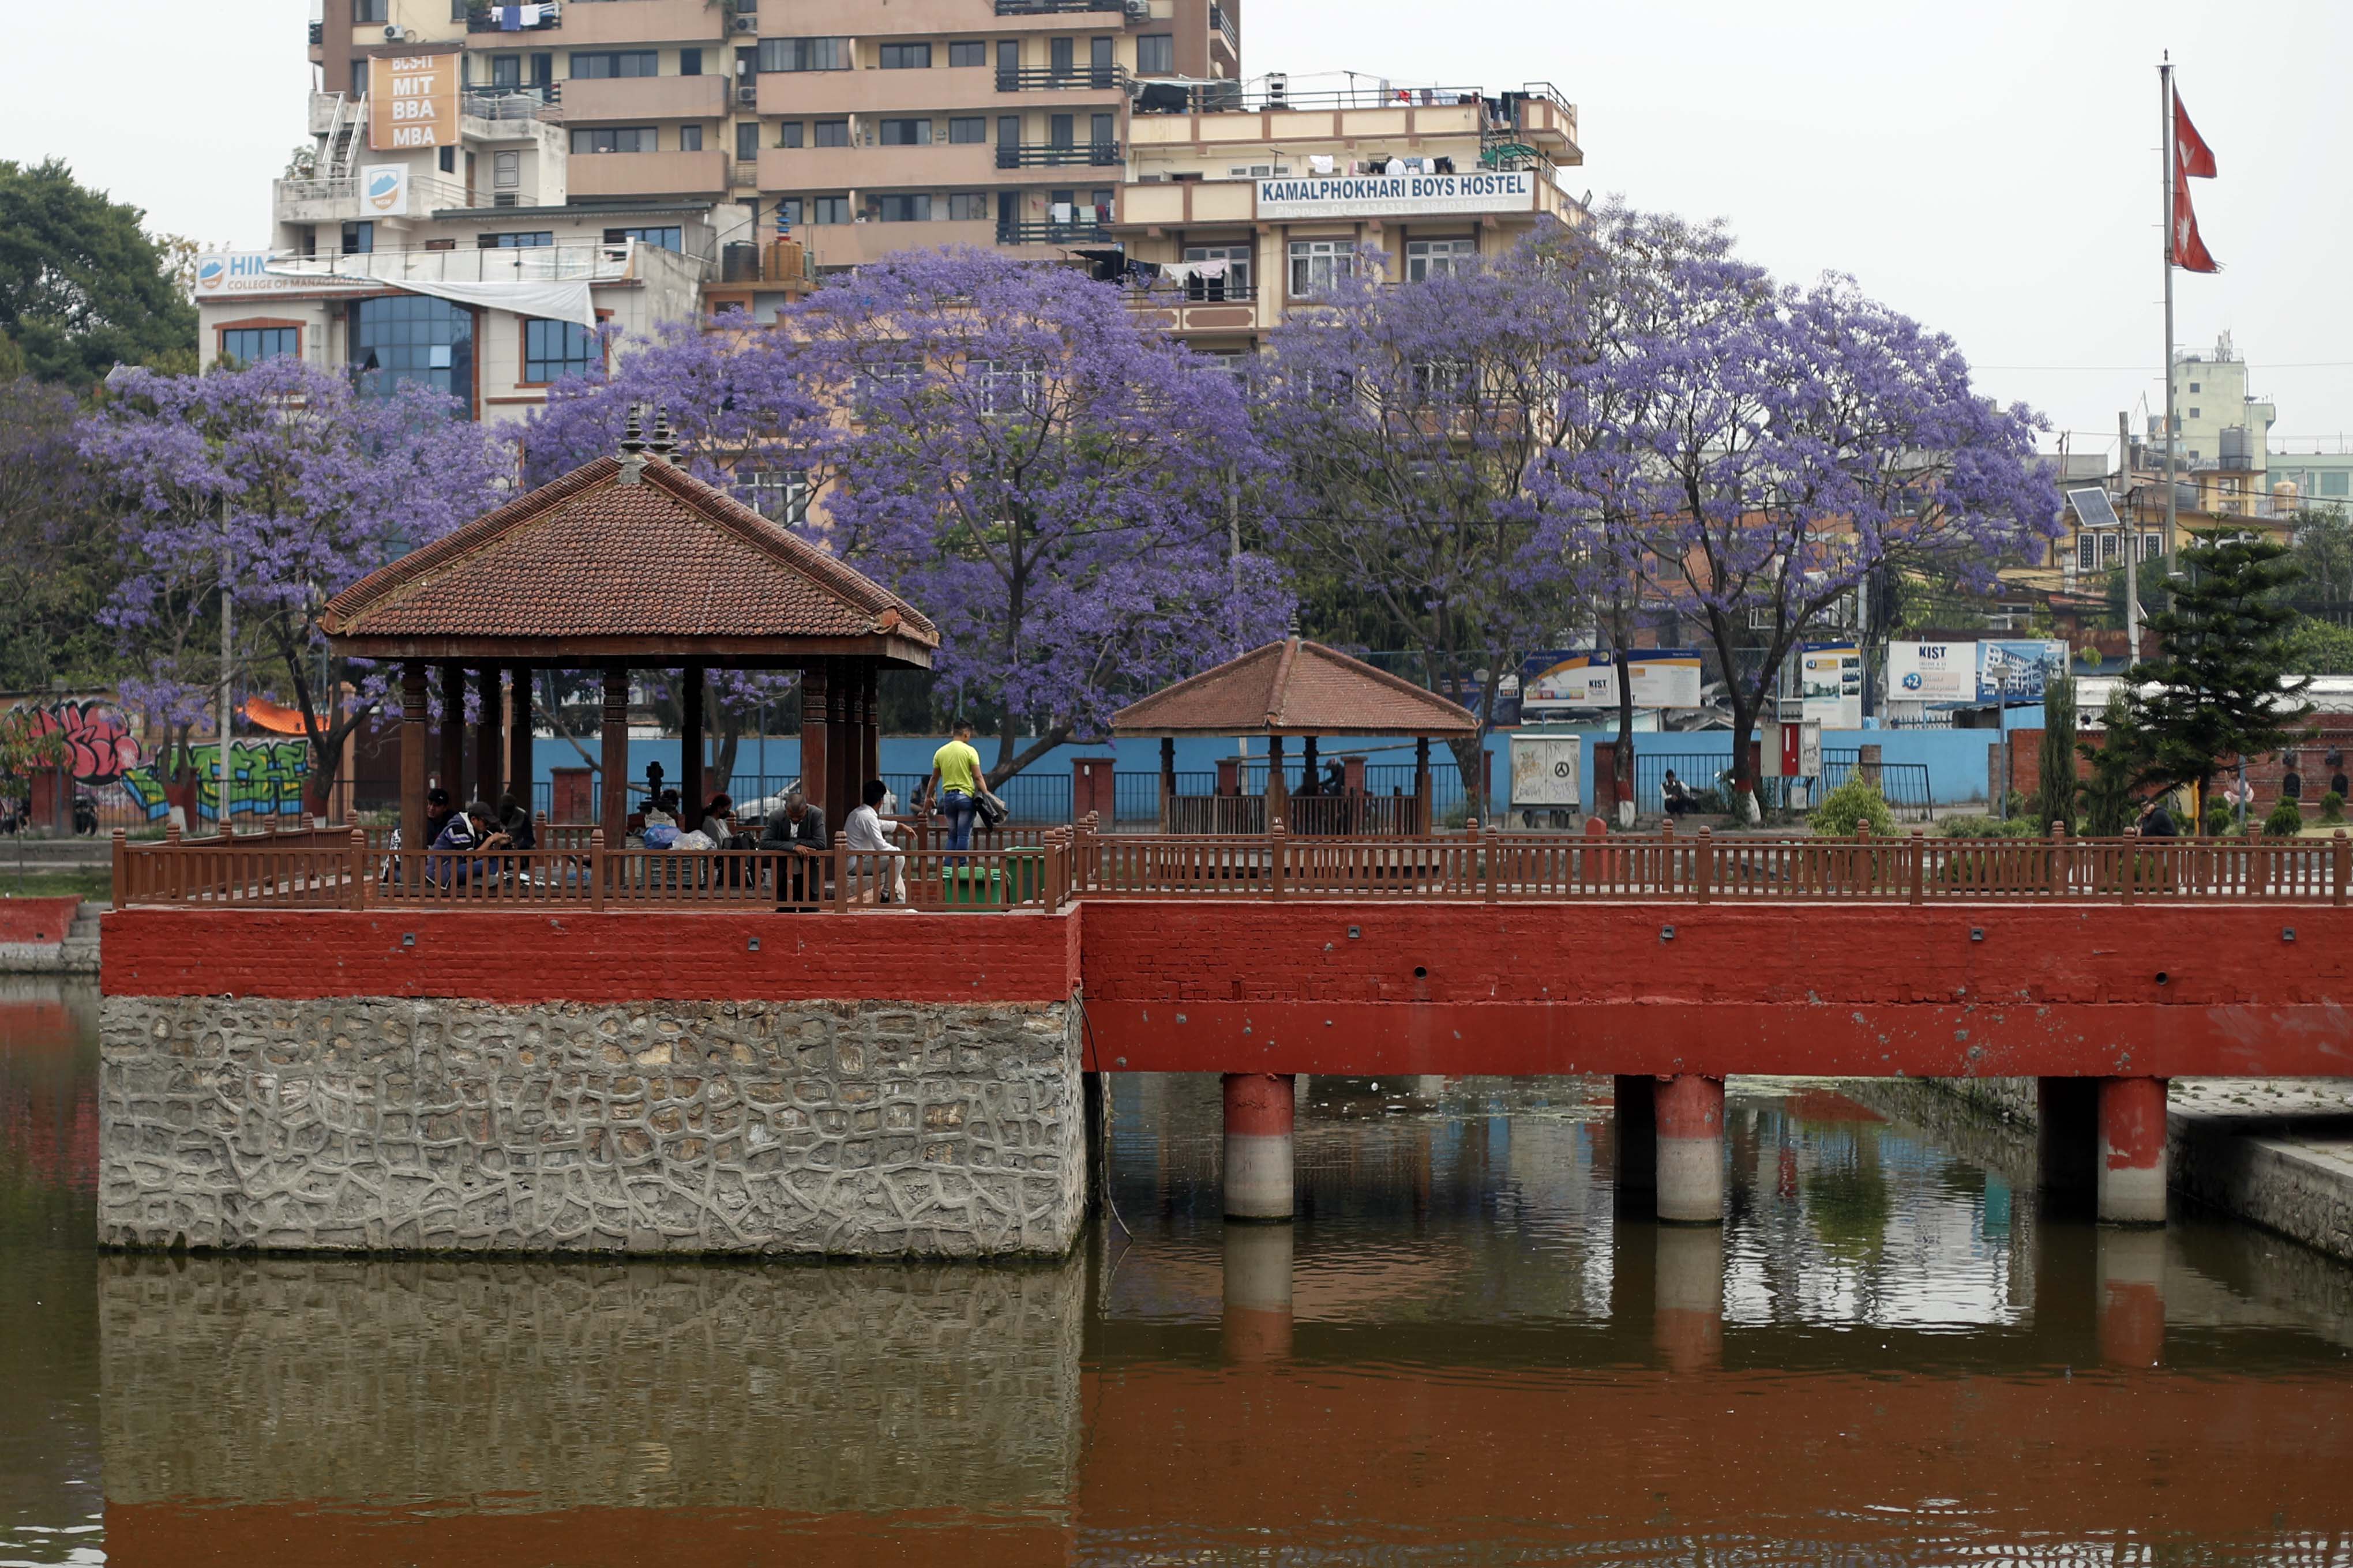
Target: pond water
1460	1353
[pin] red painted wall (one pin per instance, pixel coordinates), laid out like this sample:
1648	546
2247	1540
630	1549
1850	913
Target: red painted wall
515	956
1503	988
37	920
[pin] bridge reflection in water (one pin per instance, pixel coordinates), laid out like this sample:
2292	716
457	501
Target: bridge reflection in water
1461	1350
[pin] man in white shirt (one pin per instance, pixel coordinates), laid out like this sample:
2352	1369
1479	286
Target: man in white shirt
864	834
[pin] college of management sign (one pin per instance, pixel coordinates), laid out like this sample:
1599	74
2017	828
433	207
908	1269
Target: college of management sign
1397	196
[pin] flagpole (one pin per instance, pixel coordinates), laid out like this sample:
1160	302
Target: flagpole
2172	440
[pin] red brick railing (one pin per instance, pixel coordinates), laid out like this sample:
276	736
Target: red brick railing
1062	864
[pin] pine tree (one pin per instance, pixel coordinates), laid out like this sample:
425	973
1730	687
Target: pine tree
2223	653
2055	768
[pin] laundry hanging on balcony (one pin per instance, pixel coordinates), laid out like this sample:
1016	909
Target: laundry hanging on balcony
515	18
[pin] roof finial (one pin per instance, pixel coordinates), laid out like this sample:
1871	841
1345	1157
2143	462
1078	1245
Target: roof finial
1294	623
633	449
664	445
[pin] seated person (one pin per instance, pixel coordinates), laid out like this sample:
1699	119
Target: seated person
876	880
1678	798
797	830
471	835
718	824
515	823
437	815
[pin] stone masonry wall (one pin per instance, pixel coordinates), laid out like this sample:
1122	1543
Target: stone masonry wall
441	1125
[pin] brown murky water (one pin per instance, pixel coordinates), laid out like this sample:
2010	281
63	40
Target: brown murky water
1459	1354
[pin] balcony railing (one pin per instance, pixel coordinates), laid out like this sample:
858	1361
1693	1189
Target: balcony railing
1078	79
1077	231
1053	7
1222	21
426	193
1028	155
538	100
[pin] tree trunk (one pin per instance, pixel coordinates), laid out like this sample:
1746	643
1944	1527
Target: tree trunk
1621	762
1744	778
1468	752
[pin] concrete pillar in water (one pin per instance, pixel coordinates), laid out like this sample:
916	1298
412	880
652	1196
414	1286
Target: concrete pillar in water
1687	1323
1258	1145
2066	1137
1689	1116
1634	1130
2132	1170
2132	1296
1257	1326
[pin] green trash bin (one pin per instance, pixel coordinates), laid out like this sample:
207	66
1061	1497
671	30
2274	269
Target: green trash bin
973	887
1025	876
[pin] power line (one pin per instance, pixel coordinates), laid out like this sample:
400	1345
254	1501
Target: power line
2299	365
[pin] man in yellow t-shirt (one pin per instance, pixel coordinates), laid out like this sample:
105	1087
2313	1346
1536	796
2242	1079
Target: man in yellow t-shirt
957	781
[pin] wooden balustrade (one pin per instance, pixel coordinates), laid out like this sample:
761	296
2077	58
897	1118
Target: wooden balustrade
1044	869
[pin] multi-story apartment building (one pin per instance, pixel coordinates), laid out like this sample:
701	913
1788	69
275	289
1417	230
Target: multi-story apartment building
487	182
2216	421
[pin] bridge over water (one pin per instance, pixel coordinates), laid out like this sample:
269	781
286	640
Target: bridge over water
2100	968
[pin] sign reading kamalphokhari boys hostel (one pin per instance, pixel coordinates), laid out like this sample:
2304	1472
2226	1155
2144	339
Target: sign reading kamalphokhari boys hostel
412	100
1397	196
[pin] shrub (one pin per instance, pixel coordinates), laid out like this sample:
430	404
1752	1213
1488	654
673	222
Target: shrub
2218	817
2284	822
2332	809
1846	809
1986	828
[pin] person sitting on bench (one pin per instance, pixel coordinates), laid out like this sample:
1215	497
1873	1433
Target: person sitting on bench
1678	798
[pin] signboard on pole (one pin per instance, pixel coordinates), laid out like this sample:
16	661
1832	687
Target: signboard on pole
2018	671
1544	771
412	100
1829	685
1932	671
1570	677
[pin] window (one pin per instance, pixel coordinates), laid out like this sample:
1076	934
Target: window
906	133
554	350
968	52
781	494
368	13
690	138
904	207
1317	265
449	160
1099	59
1155	55
1438	258
614	63
833	134
506	72
747	139
671	237
1439	379
1008	130
828	209
506	171
531	239
906	57
791	133
1061	56
614	139
413	337
2111	548
689	62
1006	388
2193	386
2194	413
966	206
251	345
359	238
1061	130
2087	552
788	210
968	128
893	378
803	54
2334	481
2152	545
1008	61
1234	285
1103	131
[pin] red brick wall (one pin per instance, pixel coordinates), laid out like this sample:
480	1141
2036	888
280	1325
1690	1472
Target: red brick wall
511	956
37	920
2333	732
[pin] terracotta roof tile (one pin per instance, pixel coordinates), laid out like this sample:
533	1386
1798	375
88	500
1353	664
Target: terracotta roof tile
588	556
1293	688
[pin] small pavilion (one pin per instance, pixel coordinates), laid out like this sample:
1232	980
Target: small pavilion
1303	689
624	563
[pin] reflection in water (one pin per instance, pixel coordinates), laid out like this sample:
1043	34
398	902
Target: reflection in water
1461	1352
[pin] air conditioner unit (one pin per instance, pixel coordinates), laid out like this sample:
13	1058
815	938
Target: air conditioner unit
747	96
1139	10
744	22
395	34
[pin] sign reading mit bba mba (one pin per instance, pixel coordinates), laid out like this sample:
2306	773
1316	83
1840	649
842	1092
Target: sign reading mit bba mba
1397	196
412	100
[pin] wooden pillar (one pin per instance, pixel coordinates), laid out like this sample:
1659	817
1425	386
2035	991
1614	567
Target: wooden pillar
869	741
690	745
412	757
613	810
1277	796
489	736
1307	764
817	732
1168	777
519	721
1421	785
453	733
842	747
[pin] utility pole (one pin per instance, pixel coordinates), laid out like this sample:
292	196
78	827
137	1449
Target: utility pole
2132	529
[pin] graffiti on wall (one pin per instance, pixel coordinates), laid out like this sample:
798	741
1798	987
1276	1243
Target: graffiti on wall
99	747
264	778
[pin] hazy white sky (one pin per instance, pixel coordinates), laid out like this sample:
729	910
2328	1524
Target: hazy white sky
1989	167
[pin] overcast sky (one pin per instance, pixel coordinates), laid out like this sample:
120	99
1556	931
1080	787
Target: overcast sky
1991	167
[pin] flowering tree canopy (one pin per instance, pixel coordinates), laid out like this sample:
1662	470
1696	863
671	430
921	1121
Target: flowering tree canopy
279	485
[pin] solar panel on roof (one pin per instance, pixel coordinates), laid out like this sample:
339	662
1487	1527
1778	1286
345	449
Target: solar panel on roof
2092	507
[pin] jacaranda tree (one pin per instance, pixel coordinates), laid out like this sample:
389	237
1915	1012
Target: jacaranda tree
276	486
